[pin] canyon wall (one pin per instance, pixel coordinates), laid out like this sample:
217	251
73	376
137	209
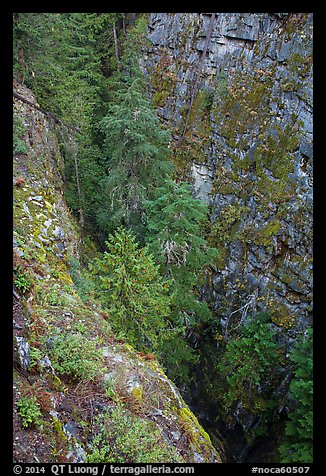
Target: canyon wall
235	89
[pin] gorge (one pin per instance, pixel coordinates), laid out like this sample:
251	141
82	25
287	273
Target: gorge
233	96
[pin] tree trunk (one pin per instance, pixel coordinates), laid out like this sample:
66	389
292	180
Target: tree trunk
124	24
115	42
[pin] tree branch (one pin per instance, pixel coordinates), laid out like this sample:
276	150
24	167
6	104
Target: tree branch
48	114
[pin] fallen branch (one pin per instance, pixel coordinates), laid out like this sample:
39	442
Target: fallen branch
16	295
46	113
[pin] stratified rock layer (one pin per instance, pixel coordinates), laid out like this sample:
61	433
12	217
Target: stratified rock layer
235	89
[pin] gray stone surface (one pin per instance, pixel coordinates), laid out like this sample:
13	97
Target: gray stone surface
247	42
23	350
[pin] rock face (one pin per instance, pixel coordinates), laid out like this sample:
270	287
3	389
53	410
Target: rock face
235	89
48	308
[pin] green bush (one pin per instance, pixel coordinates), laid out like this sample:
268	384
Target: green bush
29	410
54	298
298	440
23	280
124	438
83	282
208	99
250	361
35	356
76	355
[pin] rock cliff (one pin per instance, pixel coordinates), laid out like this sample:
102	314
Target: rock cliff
72	376
236	91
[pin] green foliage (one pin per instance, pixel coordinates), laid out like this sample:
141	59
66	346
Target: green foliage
124	438
83	280
88	199
29	410
35	355
67	60
208	99
85	69
299	427
135	147
110	390
130	286
177	354
55	298
175	222
22	279
76	355
60	59
57	60
26	43
249	362
19	145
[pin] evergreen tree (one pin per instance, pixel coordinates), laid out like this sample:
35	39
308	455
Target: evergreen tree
32	34
136	149
57	57
175	221
132	289
249	361
78	99
299	427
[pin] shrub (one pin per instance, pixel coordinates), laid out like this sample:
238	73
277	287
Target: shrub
29	410
208	99
83	282
35	356
75	355
124	438
23	280
55	297
19	145
298	444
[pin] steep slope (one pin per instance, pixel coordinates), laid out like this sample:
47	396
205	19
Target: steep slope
76	386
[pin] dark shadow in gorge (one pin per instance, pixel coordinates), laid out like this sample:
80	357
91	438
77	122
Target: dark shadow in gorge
237	445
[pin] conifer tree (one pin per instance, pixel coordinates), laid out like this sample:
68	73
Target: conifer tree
175	221
132	289
299	427
56	56
78	100
249	361
135	146
31	45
